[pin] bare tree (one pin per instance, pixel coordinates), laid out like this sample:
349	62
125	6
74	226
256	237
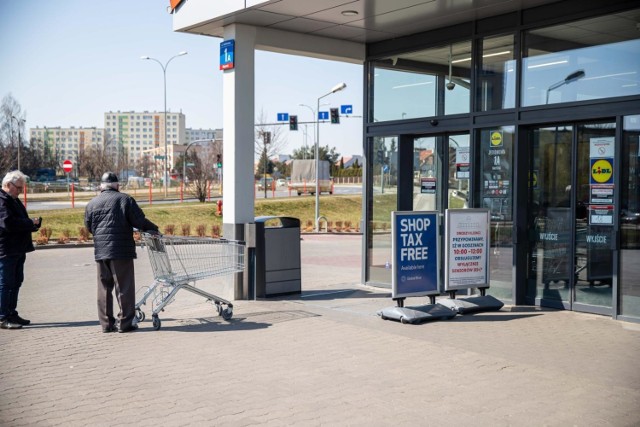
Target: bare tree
276	141
9	131
94	160
200	171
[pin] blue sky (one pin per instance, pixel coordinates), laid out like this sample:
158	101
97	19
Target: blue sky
68	62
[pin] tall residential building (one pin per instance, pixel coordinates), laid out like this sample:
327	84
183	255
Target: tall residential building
136	131
203	134
66	143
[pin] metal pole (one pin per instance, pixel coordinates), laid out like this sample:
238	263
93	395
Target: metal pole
317	156
335	89
166	149
166	153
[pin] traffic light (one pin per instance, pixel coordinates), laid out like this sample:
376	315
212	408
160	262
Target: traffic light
293	122
219	160
266	137
335	116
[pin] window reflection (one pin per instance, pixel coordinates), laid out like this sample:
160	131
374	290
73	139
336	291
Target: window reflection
630	219
496	194
408	85
497	77
384	180
584	60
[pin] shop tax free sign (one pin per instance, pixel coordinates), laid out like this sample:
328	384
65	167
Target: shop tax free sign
415	241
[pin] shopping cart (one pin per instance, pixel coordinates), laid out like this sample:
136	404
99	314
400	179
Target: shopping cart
178	261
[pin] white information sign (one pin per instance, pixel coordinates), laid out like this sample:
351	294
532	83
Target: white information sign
602	147
467	249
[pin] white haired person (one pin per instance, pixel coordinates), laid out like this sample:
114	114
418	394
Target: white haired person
111	217
15	241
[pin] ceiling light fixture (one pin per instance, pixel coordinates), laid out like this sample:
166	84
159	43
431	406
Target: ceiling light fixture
349	12
488	55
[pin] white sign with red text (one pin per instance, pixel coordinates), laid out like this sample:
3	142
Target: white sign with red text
467	249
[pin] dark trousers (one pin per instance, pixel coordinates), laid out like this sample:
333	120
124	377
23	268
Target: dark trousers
118	275
11	278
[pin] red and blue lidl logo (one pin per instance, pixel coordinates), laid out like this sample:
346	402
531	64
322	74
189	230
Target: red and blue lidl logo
601	171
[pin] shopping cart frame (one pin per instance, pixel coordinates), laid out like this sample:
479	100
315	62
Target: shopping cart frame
178	261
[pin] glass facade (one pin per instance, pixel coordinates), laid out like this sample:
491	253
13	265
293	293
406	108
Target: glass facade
630	218
583	60
383	194
497	74
495	193
425	83
560	182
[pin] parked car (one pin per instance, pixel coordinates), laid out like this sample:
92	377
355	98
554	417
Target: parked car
281	183
261	183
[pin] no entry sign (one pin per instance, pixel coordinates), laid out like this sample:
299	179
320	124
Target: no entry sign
67	166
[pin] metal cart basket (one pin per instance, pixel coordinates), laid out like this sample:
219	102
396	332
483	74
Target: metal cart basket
177	261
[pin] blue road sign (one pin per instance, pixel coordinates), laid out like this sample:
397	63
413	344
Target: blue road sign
346	109
283	117
227	48
323	115
385	168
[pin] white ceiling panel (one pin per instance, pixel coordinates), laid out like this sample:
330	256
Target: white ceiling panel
378	20
302	25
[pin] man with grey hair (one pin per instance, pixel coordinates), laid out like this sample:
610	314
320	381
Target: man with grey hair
15	241
111	217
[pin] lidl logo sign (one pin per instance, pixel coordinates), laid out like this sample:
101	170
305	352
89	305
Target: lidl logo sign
601	171
496	139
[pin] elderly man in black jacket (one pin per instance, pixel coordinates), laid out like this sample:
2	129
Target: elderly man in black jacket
111	217
15	241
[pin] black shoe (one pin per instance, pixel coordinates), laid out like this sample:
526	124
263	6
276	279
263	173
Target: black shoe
9	324
19	320
129	329
109	329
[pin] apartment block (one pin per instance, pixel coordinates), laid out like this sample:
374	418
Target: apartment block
66	143
137	132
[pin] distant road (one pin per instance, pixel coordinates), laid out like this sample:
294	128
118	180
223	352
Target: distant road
35	204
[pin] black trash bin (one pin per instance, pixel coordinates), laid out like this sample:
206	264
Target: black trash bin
277	256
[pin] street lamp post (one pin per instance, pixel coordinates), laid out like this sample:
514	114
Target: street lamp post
576	75
314	117
164	74
335	89
20	121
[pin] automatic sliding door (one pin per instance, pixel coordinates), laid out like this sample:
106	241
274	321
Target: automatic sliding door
550	219
594	208
572	217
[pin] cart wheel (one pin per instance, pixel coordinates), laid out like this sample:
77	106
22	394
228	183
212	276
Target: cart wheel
140	315
156	322
227	313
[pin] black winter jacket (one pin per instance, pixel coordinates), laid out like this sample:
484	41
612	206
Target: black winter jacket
111	217
15	227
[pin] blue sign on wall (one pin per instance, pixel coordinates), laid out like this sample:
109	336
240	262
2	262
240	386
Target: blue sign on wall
283	117
227	49
416	254
346	109
323	115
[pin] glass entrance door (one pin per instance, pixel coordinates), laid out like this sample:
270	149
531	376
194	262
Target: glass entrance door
441	172
571	221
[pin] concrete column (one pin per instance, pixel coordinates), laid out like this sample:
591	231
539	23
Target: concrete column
238	145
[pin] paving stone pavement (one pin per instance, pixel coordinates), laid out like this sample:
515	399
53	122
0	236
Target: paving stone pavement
320	358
